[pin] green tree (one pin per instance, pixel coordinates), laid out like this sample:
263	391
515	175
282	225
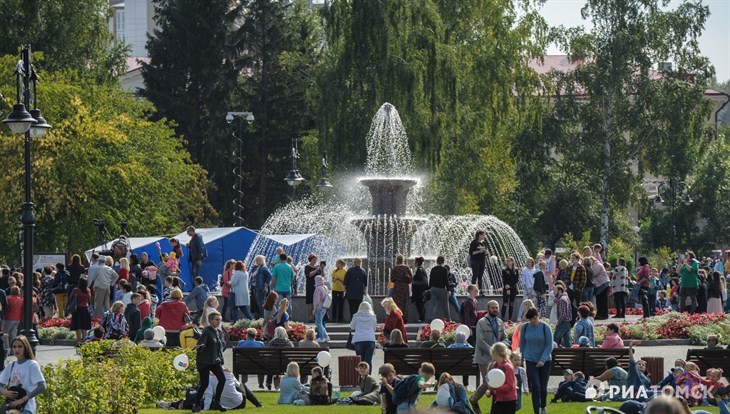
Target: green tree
626	105
102	159
71	34
190	79
711	191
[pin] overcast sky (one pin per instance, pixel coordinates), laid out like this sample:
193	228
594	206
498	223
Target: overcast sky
714	43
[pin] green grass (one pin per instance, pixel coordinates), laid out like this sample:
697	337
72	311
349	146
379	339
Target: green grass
270	406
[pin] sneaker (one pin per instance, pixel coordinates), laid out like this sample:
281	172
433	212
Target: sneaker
215	405
475	406
163	404
197	408
260	405
543	410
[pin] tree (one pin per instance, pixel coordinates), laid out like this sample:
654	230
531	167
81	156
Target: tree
277	47
711	191
190	79
625	106
102	159
71	34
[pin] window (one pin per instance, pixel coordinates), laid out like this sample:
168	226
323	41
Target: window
119	15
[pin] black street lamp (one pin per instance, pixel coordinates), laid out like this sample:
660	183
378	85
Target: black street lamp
675	192
238	186
32	125
324	183
294	178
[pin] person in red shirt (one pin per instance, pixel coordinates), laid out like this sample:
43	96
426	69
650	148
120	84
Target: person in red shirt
172	316
393	321
145	306
81	318
13	314
505	396
228	300
123	271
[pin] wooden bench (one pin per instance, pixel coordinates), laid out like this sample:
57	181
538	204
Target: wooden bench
273	361
710	358
591	361
455	361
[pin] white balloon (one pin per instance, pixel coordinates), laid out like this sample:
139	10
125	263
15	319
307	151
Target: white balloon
495	378
493	259
181	362
464	329
324	358
437	325
159	332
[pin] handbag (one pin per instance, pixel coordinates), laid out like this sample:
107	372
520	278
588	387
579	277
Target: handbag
634	296
72	304
349	345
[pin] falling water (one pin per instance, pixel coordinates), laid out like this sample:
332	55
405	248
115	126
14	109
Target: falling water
386	219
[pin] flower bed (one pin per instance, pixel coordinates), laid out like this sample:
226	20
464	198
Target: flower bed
447	335
237	331
675	325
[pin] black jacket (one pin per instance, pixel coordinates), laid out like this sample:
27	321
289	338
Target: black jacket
134	319
419	285
439	277
210	348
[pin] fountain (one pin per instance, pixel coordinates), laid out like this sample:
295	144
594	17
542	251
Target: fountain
392	222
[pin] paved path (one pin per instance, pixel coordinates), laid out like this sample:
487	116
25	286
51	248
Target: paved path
54	354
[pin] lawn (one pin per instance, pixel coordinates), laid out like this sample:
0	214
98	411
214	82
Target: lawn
270	406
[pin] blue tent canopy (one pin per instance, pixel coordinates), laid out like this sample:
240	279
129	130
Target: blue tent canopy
139	245
222	244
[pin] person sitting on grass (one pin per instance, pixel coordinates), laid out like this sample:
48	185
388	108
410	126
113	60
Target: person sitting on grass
636	374
433	340
615	376
234	395
713	342
451	396
669	380
320	389
575	391
407	391
565	388
292	391
388	382
713	384
368	392
689	381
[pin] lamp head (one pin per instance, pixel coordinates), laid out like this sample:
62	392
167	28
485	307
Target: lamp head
294	178
250	118
40	126
19	120
229	117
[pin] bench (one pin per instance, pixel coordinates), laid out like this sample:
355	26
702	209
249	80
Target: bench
591	361
710	358
455	361
273	361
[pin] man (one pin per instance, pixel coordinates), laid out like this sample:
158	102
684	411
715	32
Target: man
132	315
104	278
197	297
469	311
93	265
281	277
489	331
251	342
4	277
438	283
356	282
565	316
689	281
552	269
277	258
577	276
197	250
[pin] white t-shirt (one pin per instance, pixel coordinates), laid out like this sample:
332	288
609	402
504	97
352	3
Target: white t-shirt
443	396
230	398
28	375
127	299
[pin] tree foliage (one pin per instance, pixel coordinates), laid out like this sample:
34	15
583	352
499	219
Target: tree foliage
102	159
711	191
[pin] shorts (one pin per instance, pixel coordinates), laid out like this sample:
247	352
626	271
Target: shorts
685	291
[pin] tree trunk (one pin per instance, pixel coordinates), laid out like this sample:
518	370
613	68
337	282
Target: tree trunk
608	132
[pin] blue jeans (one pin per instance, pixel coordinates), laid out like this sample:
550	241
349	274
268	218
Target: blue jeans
283	295
196	268
586	295
246	310
365	350
260	295
455	303
562	334
407	407
538	383
319	322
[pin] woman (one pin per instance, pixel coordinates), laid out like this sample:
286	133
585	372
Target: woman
614	375
396	340
478	259
612	338
281	340
291	389
420	285
81	318
280	318
527	304
309	340
260	280
75	270
24	372
363	324
311	270
48	301
135	270
394	320
176	248
211	305
114	323
536	345
643	273
239	286
527	278
584	327
123	271
620	287
401	277
269	308
451	396
145	305
172	315
226	291
505	396
320	294
509	288
714	294
600	281
338	290
209	359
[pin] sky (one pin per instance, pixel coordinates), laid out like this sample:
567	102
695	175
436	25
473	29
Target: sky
714	42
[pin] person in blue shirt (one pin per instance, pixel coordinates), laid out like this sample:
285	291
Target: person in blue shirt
197	250
584	327
281	277
250	342
197	296
536	345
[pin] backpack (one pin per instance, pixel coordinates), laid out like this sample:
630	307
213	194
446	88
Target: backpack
269	329
60	282
327	302
403	390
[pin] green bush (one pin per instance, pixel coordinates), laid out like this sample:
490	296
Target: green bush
55	333
114	377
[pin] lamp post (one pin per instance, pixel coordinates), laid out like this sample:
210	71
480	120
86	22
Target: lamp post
32	125
294	178
324	183
238	186
674	191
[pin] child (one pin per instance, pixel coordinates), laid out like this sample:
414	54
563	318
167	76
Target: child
172	264
154	300
520	376
713	384
407	391
573	389
127	296
565	388
320	390
663	301
669	380
388	381
368	394
505	396
713	342
166	287
688	382
22	380
651	294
